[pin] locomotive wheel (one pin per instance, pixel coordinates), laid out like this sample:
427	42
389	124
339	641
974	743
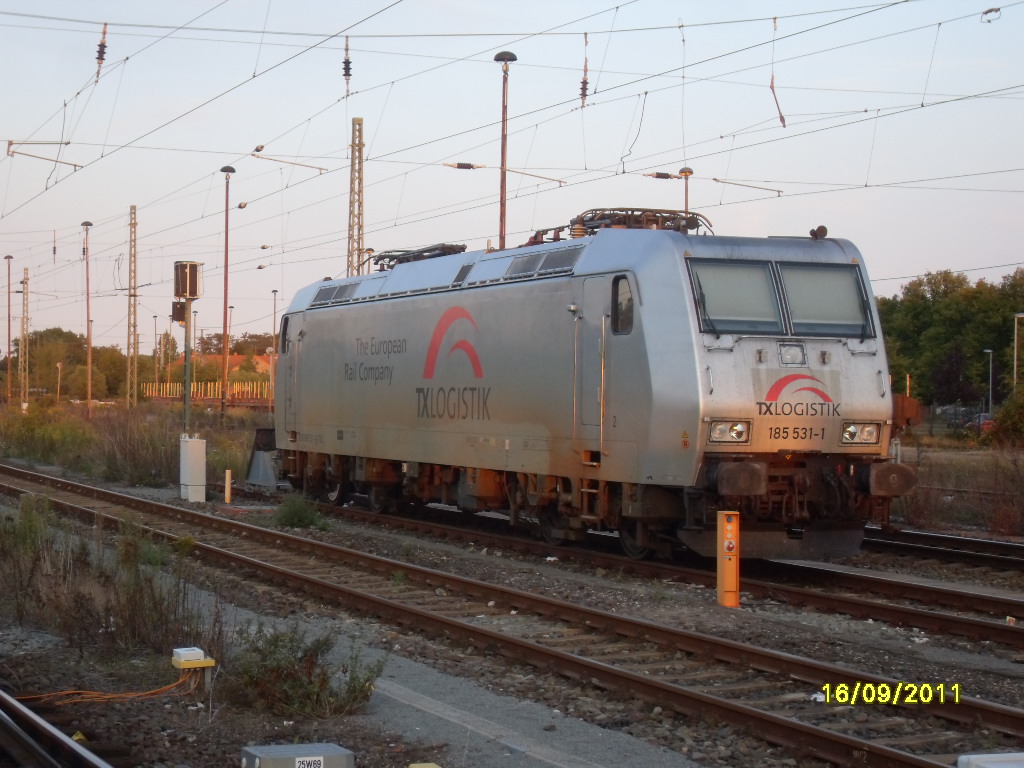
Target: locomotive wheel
380	498
552	526
334	494
629	532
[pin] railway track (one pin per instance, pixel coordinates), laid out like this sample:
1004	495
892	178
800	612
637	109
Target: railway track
989	553
979	616
782	698
29	741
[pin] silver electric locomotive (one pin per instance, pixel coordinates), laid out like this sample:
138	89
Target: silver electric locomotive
635	378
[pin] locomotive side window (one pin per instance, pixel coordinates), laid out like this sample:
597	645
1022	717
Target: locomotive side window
826	299
735	297
282	340
622	306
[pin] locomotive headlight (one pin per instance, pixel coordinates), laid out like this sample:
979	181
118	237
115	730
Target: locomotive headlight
730	431
861	433
792	354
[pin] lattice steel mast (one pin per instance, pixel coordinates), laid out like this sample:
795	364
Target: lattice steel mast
355	202
131	386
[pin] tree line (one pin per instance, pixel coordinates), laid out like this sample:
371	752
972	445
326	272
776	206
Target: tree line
57	359
937	331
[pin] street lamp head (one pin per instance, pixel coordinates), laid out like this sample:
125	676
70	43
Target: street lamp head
686	171
505	57
8	257
227	169
86	224
987	351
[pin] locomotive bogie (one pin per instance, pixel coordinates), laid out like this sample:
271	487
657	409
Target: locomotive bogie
633	381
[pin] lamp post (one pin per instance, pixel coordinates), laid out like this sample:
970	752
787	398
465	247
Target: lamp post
227	170
505	57
156	359
10	377
88	327
59	366
1017	316
989	353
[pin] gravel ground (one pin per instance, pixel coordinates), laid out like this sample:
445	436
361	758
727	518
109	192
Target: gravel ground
459	708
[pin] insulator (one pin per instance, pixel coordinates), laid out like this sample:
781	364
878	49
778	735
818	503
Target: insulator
347	67
577	230
101	51
583	91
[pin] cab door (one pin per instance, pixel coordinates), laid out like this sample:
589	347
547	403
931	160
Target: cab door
606	355
592	338
289	369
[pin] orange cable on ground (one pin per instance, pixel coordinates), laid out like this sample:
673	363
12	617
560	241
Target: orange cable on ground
185	684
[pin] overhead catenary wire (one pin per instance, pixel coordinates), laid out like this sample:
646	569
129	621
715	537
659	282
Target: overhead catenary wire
683	143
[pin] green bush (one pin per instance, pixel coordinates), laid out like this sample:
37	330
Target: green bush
287	674
295	511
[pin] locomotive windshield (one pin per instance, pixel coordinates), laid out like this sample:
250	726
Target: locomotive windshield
825	299
736	297
775	298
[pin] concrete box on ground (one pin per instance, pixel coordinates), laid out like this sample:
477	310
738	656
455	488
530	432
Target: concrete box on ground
1006	760
298	756
193	468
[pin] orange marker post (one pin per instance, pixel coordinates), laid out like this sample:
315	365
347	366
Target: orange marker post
729	559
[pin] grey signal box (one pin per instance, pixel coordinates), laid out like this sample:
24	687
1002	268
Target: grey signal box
298	756
186	279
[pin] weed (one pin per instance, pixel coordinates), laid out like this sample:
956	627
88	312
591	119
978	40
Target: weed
399	578
138	445
295	511
407	549
288	674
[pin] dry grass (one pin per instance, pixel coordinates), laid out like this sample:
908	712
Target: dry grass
965	488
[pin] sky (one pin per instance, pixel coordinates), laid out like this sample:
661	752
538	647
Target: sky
897	125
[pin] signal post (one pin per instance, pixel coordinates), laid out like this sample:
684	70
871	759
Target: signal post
729	559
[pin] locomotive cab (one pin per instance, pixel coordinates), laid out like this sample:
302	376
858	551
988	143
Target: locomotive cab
798	424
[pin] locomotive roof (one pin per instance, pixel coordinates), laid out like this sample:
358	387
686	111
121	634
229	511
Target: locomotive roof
447	268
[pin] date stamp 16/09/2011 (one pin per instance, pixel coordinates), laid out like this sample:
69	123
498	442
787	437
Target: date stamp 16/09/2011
891	693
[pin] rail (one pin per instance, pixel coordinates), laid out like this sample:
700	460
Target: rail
263	547
31	741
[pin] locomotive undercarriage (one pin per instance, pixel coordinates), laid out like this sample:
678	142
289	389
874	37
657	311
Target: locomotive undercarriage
788	508
793	505
561	509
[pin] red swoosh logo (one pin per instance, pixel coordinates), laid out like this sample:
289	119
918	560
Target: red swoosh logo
446	321
785	381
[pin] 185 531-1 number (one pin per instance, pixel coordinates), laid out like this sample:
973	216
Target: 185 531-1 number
796	433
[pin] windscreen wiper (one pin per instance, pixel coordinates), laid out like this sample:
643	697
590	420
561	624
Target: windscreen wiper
702	307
